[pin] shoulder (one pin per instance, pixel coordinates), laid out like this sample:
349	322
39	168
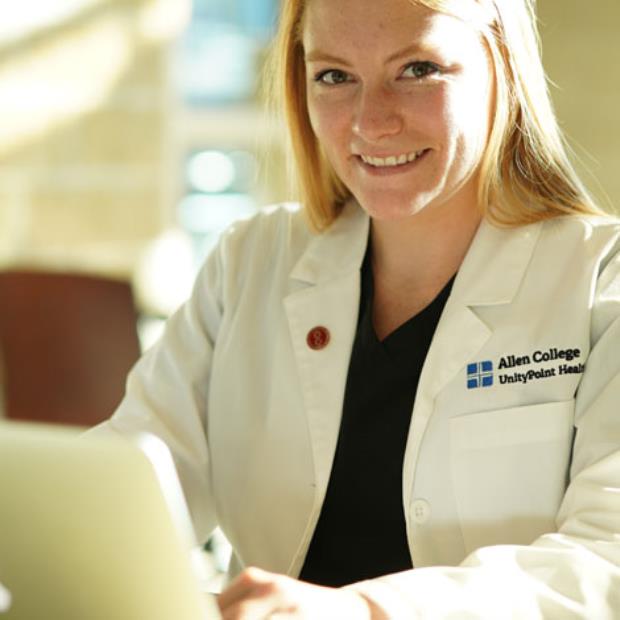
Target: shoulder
592	243
587	244
589	229
596	237
282	236
280	228
258	251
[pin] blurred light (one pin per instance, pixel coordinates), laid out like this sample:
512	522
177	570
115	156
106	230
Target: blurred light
207	214
217	64
164	19
45	87
211	171
165	275
5	599
245	167
26	16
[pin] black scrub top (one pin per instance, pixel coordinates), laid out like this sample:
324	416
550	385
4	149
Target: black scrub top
361	531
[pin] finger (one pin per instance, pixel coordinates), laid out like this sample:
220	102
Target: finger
244	586
254	609
265	600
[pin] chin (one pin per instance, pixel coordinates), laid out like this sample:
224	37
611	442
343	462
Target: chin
390	210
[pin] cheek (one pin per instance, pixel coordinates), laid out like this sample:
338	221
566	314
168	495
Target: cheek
468	118
430	115
472	116
315	116
328	120
473	105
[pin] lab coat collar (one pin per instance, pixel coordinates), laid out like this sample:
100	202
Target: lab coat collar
490	274
337	251
495	264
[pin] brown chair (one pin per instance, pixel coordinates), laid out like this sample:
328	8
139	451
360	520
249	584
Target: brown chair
67	342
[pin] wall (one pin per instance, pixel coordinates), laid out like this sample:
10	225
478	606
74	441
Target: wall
582	54
90	140
84	109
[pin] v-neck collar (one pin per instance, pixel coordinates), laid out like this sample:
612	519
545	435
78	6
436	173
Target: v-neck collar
414	334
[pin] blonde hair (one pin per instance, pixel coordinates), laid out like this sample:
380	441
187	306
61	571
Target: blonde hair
525	173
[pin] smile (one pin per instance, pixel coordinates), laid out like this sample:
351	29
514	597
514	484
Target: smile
392	161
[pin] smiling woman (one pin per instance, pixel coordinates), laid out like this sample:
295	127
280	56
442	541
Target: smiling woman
370	450
524	157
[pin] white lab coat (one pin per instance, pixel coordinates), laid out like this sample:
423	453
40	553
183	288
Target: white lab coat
252	413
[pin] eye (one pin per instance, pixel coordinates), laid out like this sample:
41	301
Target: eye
332	77
420	69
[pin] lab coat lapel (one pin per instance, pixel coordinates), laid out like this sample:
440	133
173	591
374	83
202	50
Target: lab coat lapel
490	274
327	283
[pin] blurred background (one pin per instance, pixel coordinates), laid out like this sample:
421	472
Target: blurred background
131	131
132	134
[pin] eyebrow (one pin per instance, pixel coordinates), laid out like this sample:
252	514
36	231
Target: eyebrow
318	56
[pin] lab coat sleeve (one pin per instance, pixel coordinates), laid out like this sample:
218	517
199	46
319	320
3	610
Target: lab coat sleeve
167	390
573	573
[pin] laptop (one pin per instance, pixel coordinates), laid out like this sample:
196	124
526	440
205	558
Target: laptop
94	528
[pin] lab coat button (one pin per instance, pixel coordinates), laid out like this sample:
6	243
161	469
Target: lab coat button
421	510
318	338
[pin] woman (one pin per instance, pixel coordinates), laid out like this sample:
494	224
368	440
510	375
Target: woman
418	397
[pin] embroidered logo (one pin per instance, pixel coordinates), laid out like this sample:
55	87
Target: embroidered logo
479	375
524	368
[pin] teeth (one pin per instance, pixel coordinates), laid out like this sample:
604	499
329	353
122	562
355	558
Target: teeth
393	160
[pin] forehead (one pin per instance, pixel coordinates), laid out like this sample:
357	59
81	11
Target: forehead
366	26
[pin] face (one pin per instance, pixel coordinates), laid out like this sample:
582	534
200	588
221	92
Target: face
399	98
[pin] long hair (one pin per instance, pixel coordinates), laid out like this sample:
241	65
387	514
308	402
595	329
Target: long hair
525	173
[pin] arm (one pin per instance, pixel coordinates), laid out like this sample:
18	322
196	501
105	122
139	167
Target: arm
167	392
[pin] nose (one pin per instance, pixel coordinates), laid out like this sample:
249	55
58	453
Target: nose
376	114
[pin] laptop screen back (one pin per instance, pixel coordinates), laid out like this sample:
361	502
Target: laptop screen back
87	530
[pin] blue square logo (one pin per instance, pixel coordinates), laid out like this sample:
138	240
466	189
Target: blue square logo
479	375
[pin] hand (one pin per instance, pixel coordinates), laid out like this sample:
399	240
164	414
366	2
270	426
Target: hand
258	595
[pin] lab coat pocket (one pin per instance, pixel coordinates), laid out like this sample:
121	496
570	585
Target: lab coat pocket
509	471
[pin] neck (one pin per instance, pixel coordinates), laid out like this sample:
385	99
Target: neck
424	249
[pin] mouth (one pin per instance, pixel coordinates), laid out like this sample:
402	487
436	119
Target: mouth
392	163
